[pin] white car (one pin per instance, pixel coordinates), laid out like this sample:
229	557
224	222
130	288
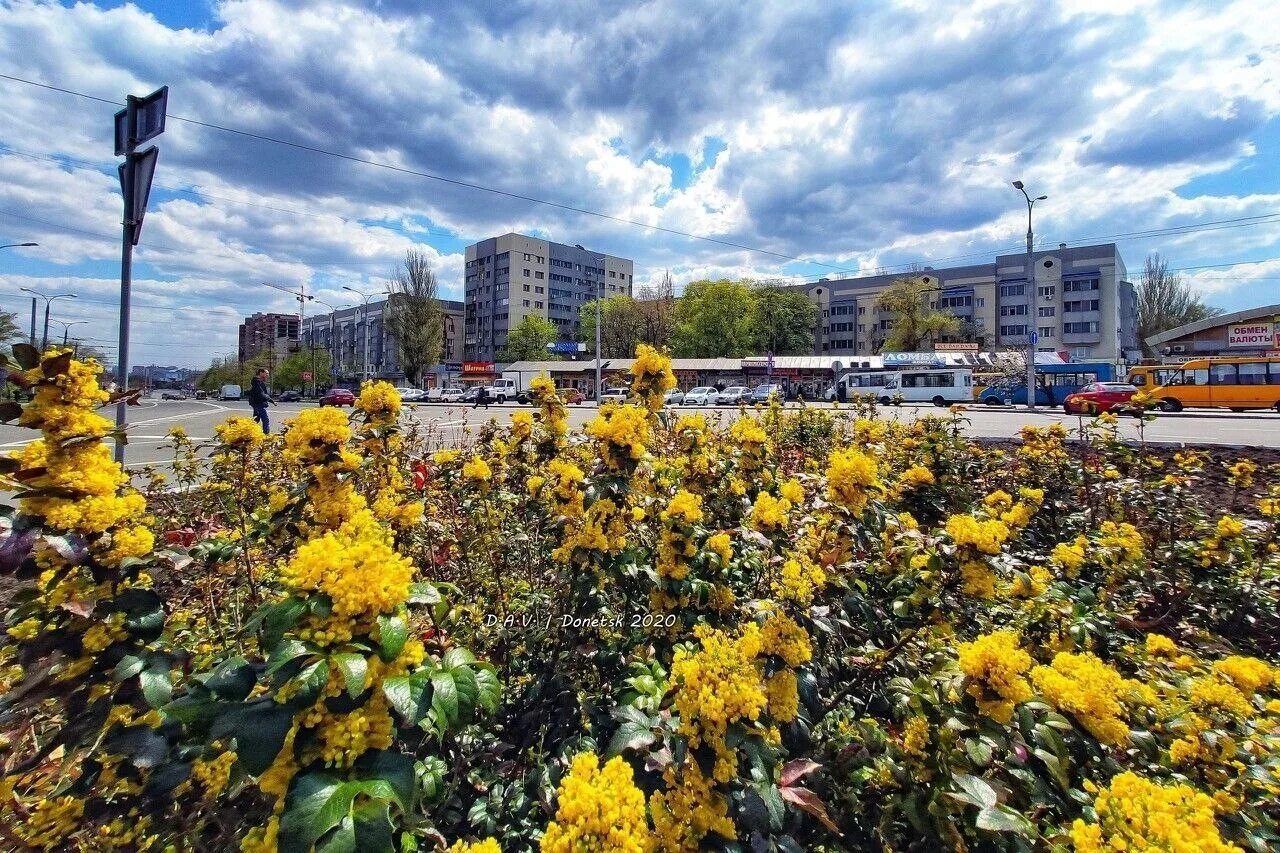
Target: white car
410	395
733	396
701	396
450	394
674	397
614	395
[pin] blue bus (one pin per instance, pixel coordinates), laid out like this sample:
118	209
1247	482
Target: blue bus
1053	383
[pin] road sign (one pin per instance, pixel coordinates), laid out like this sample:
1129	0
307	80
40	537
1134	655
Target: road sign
136	173
306	376
1035	338
143	119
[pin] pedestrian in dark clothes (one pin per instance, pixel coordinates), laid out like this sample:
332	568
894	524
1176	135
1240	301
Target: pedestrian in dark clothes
259	397
482	398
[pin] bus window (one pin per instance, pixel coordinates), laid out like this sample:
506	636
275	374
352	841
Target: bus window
1253	373
1221	374
1275	372
1198	376
1138	380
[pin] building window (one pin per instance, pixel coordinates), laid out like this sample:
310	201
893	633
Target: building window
1013	310
1048	292
1086	328
527	257
980	301
526	272
1046	312
538	274
1013	331
537	305
526	303
1081	305
1046	332
1013	290
526	288
537	290
862	310
1080	285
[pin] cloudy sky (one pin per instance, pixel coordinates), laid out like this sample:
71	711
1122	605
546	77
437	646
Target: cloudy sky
812	137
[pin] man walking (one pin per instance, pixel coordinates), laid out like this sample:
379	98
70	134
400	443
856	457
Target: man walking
259	397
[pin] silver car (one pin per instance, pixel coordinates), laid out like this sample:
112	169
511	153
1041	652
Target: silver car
733	395
700	396
674	397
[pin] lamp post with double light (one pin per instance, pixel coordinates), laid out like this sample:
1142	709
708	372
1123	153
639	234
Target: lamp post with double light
1032	319
48	300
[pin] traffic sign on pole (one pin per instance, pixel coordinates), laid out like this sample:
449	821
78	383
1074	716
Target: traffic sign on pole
1035	338
141	120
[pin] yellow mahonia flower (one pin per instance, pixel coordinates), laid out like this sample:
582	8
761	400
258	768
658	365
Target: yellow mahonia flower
597	808
1135	813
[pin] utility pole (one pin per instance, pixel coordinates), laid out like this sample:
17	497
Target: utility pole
1032	320
141	119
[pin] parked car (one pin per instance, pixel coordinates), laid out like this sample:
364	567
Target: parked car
452	394
674	397
615	395
734	395
469	395
229	392
411	395
703	395
1098	397
201	395
172	395
764	393
338	397
289	397
571	396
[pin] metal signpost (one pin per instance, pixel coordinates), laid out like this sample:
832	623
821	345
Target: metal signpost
142	119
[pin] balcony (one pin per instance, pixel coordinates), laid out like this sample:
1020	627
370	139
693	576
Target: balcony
1082	338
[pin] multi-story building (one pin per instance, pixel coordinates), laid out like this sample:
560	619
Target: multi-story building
513	276
274	334
1084	305
342	333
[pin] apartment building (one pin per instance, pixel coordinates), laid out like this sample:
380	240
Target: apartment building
1084	305
515	276
342	333
273	334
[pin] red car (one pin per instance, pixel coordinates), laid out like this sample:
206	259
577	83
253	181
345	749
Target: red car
571	396
338	397
1098	397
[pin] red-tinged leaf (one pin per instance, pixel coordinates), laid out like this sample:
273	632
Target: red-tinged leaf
56	366
807	801
79	608
794	771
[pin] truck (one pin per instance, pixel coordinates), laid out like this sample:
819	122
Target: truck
513	386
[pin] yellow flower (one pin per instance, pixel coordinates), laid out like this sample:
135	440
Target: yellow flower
1088	689
1248	674
488	845
623	434
1135	813
792	491
851	477
769	512
685	507
1229	528
380	401
783	696
984	535
996	663
1210	693
781	636
915	736
1160	646
722	546
239	432
355	565
477	469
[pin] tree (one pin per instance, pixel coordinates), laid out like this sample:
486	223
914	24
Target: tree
782	321
231	372
622	325
289	373
415	318
10	331
1166	302
657	310
913	322
712	320
528	340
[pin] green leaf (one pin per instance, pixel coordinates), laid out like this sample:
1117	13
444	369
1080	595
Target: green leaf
394	768
128	667
630	735
1002	819
393	631
489	688
456	657
285	652
974	791
157	687
300	825
375	833
408	695
465	680
144	746
341	840
232	679
259	730
310	682
353	667
773	803
26	355
279	618
424	593
444	699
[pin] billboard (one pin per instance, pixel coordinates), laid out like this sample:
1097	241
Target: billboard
1251	335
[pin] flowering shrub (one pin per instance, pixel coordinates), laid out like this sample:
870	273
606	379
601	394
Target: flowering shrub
795	630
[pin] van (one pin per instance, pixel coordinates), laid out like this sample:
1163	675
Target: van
229	392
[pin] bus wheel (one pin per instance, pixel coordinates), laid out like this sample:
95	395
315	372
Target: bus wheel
1168	404
885	401
1238	410
993	401
939	402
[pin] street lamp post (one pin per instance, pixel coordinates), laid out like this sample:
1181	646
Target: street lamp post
1032	319
364	360
599	300
66	328
44	343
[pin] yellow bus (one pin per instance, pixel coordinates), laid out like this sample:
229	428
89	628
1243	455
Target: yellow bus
1144	377
1232	383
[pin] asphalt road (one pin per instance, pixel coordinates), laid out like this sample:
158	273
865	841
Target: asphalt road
449	424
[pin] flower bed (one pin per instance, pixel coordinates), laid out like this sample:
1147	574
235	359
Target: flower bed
806	630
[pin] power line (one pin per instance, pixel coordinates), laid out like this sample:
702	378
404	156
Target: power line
442	179
1168	231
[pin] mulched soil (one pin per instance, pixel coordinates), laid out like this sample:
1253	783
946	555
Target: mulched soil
1211	483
